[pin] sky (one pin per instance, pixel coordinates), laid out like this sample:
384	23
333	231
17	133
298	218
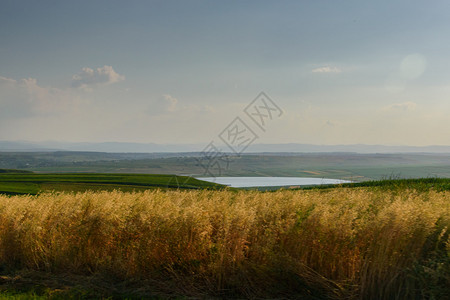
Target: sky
172	72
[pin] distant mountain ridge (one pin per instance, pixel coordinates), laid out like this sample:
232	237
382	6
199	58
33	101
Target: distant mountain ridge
116	147
358	148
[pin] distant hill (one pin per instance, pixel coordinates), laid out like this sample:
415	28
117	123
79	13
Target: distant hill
357	148
113	147
13	171
118	147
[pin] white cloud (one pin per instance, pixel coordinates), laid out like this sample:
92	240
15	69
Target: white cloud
164	104
167	104
327	69
404	106
25	98
171	102
89	78
6	81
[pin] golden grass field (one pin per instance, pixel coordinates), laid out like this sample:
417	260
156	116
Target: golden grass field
342	243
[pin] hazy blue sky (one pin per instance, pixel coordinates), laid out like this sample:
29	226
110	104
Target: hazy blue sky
343	72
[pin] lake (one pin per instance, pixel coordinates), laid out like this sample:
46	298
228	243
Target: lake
271	181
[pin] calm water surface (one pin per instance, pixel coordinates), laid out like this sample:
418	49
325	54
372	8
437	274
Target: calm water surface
271	181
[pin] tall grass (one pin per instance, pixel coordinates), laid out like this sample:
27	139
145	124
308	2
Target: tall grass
339	243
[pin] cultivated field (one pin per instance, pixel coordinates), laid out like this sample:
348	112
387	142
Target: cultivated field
351	166
15	182
340	243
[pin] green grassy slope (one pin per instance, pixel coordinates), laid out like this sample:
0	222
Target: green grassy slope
420	184
30	183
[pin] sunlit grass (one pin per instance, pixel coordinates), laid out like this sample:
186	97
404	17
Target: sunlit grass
338	243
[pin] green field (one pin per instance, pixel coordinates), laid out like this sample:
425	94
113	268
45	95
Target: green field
14	182
30	183
350	166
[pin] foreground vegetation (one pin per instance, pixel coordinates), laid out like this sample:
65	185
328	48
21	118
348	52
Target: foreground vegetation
342	243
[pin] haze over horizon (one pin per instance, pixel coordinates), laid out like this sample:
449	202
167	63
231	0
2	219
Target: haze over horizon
175	72
122	147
